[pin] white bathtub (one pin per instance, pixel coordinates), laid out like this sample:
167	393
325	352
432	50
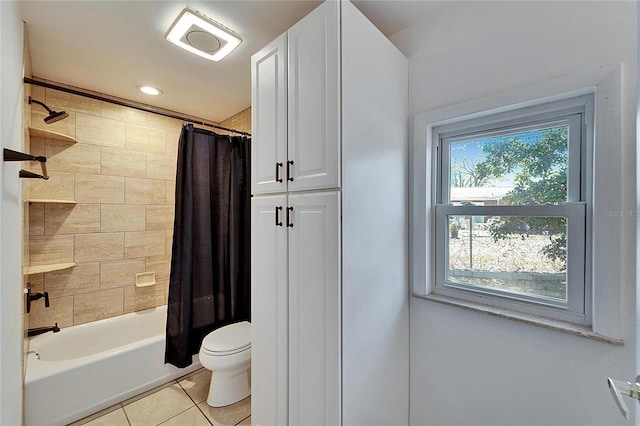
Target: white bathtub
85	368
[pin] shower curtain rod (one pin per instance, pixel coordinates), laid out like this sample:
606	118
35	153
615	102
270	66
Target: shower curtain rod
129	105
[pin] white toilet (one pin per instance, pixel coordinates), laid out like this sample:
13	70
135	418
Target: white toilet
227	353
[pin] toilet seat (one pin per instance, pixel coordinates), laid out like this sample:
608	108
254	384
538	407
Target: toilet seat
228	340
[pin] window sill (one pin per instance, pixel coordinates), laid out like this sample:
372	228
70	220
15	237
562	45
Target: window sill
551	324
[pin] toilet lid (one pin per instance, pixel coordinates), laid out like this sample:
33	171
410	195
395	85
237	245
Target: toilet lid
230	338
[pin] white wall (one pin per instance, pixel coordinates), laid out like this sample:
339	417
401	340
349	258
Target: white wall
11	135
471	368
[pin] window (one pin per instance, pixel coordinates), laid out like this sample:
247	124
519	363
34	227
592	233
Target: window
511	199
606	190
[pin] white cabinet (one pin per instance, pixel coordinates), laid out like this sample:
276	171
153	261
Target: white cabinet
314	308
269	311
296	108
314	100
269	117
295	256
329	248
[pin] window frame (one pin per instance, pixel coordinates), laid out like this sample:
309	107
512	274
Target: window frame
576	113
608	279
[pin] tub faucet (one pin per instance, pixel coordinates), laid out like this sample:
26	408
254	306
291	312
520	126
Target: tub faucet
40	330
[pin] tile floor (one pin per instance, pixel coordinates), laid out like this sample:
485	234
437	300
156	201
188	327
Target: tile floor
180	402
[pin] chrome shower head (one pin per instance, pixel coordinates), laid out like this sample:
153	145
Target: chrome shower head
53	115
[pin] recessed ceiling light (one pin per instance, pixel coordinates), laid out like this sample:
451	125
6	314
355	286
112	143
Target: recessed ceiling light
201	35
150	90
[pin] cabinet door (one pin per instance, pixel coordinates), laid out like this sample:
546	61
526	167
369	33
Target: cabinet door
314	309
269	118
314	100
269	312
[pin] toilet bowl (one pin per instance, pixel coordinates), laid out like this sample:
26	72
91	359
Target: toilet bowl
227	353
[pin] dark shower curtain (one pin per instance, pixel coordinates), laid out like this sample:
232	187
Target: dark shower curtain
209	284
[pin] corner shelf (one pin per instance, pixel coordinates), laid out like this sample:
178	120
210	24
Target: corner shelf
38	269
50	201
47	134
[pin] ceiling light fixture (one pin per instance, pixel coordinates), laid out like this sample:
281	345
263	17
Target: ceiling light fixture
201	35
150	90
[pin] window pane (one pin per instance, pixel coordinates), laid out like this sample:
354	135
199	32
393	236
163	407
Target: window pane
520	255
528	167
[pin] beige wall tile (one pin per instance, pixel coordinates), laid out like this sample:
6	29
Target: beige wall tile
161	265
122	217
121	113
160	166
158	218
173	139
146	139
97	305
82	278
120	162
100	131
141	298
144	191
120	273
36	281
241	121
71	218
60	186
162	122
37	146
36	219
169	241
60	311
50	249
99	189
122	174
58	100
37	92
72	157
99	247
146	243
170	192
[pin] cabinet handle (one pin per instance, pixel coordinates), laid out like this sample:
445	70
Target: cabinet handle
278	178
289	224
289	164
278	223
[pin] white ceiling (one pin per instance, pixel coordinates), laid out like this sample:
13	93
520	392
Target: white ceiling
113	46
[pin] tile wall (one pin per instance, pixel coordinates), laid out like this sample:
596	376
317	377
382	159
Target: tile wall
121	174
240	121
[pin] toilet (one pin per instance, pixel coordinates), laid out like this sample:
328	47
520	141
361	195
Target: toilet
227	353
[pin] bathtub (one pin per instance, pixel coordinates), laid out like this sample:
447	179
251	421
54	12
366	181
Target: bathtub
86	368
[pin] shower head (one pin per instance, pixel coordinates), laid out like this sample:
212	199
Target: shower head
53	115
56	116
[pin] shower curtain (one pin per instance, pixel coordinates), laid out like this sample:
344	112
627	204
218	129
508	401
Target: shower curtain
209	285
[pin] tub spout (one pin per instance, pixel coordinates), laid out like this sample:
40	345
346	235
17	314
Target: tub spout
40	330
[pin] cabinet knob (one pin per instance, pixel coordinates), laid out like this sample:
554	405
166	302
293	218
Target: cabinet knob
289	165
278	178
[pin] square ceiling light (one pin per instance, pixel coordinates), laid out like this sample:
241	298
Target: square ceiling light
202	35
